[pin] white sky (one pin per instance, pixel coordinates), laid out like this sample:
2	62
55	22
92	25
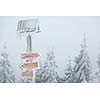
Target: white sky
62	34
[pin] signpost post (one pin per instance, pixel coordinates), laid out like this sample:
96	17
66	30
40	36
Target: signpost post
27	28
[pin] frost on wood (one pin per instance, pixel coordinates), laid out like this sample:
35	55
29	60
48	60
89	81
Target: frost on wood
24	79
6	72
47	72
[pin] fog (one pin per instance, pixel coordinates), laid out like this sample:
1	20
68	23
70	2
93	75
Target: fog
64	35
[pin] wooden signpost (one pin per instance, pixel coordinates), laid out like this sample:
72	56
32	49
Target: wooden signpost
30	64
28	27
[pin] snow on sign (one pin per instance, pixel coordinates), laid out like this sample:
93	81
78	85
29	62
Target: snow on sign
28	73
30	55
25	26
31	65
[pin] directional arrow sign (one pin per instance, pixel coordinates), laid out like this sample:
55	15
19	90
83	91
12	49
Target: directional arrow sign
28	73
30	55
31	65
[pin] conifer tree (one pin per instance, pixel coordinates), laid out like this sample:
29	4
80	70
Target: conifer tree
82	70
6	72
47	72
68	72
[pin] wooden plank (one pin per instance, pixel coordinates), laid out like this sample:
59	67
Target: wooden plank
30	55
28	73
31	65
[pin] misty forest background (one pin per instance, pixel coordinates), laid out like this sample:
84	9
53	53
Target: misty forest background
76	69
80	72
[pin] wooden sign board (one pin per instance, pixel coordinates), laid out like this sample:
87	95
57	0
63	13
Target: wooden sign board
28	73
31	65
30	55
25	26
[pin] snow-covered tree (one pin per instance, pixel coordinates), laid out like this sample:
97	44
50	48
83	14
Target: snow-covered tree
97	74
47	72
67	78
82	70
59	79
6	72
68	72
99	62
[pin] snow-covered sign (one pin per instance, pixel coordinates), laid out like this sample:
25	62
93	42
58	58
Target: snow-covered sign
28	73
29	55
25	26
31	65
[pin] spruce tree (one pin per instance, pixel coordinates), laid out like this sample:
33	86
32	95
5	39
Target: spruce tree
6	72
47	72
68	72
82	70
97	74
